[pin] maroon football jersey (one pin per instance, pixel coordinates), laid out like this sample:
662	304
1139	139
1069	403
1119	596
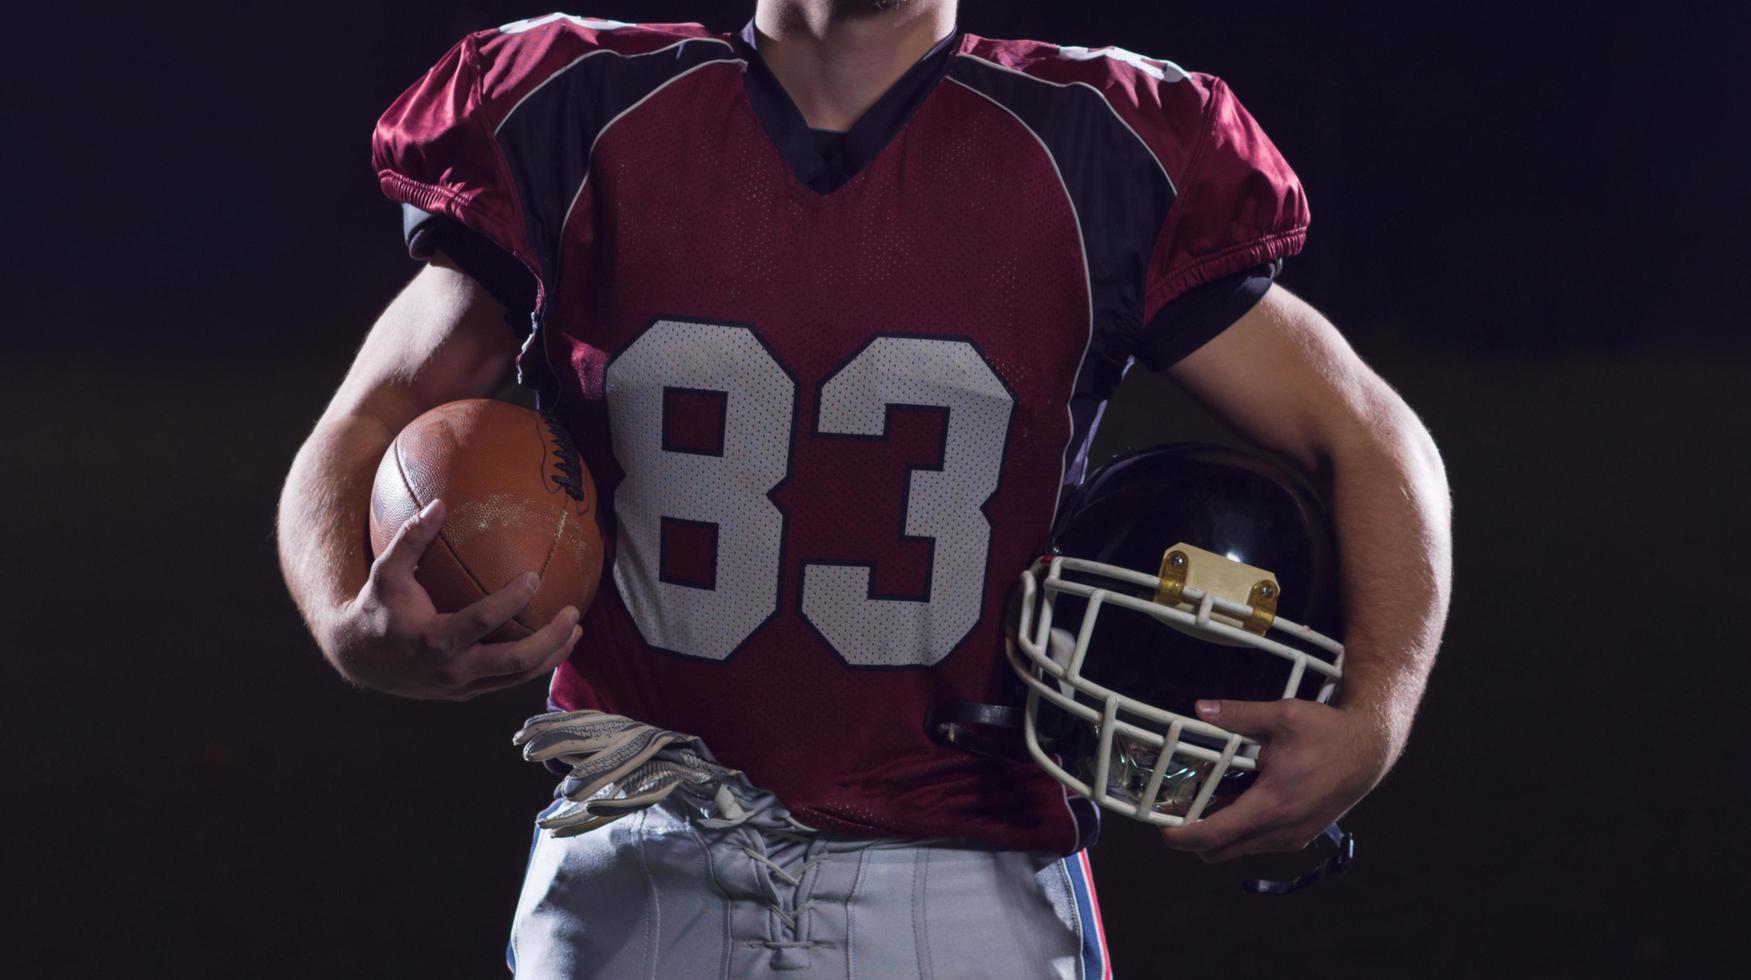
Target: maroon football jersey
834	390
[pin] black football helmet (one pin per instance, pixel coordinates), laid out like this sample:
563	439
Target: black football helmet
1175	574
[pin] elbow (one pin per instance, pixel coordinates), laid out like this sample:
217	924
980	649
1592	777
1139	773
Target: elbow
1382	434
1412	447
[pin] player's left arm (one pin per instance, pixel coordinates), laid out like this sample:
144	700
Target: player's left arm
1285	378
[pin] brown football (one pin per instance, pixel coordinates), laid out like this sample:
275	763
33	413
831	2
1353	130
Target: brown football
517	498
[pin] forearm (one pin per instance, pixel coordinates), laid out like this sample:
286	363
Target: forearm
1391	507
443	338
324	552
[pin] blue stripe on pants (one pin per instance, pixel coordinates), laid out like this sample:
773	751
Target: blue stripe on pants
1094	953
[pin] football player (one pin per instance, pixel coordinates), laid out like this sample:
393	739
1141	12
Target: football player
832	306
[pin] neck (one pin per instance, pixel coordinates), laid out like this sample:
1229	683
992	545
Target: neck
835	58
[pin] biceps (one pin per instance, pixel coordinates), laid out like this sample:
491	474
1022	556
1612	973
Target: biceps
1285	378
442	338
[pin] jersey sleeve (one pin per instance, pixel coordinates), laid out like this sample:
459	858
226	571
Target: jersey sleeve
1197	316
503	277
497	137
435	148
1238	210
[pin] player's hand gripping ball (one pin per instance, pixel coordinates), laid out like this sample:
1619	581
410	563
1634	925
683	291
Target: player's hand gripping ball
518	500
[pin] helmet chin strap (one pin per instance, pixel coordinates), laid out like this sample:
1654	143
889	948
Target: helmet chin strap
982	729
1343	852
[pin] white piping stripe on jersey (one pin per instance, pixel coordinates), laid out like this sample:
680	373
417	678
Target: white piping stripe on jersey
589	156
1155	68
588	23
1087	280
1103	101
580	59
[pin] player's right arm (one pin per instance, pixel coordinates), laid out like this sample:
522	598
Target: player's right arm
442	339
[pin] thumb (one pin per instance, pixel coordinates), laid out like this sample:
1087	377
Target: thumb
410	542
1254	719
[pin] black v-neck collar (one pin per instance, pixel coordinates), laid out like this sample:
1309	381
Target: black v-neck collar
825	165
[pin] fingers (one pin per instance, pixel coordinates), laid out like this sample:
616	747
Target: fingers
463	629
410	542
1257	833
1258	720
501	665
1260	820
1262	842
1254	813
1249	815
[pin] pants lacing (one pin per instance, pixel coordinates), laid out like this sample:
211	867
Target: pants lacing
785	849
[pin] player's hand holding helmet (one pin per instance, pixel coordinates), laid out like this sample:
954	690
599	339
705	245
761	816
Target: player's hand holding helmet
1176	575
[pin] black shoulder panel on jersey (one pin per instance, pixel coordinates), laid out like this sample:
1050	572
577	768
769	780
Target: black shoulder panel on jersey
1121	195
1119	190
547	137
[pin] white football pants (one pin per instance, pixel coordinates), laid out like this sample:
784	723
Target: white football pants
659	895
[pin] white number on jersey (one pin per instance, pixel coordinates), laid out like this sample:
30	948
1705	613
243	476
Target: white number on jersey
728	490
940	504
731	490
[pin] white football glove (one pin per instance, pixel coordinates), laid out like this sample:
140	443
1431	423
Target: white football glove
618	766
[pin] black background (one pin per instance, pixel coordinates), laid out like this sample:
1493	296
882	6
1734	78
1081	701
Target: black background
1532	222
